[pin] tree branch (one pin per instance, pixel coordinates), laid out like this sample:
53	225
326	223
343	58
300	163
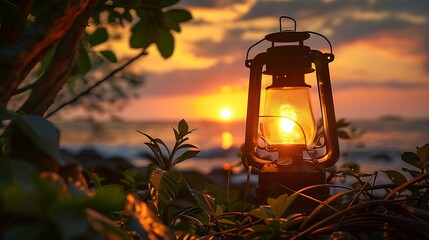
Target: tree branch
19	58
87	91
62	63
25	88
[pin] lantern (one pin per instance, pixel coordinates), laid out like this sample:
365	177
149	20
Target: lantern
283	144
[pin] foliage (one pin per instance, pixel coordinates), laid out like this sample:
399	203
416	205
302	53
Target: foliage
174	156
42	204
210	210
164	183
45	45
277	223
166	206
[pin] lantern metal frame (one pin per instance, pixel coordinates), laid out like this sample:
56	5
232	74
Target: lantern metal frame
284	60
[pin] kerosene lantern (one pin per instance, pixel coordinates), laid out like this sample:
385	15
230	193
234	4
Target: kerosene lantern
282	138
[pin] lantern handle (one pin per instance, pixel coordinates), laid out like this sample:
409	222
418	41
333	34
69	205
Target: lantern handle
248	62
327	40
280	22
330	58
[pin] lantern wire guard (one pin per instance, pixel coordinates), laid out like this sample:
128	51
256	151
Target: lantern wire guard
288	63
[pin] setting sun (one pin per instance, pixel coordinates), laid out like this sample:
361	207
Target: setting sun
225	114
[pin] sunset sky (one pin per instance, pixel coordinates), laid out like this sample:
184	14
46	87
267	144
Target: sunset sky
381	65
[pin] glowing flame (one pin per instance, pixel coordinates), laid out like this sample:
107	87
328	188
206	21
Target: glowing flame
288	129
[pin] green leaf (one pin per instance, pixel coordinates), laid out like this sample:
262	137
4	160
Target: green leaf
165	186
342	123
423	153
157	140
156	150
159	158
93	177
109	55
176	135
413	173
260	213
44	63
109	198
411	158
99	36
396	177
174	17
343	134
165	43
186	155
183	127
219	210
143	32
178	15
171	25
83	64
226	221
186	146
216	192
186	213
281	204
42	133
293	220
205	201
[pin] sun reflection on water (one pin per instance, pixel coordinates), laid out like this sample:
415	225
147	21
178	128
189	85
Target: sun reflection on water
227	140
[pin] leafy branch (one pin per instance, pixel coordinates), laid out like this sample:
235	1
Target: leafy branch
180	152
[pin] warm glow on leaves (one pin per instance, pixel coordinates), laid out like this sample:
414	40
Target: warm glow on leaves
150	224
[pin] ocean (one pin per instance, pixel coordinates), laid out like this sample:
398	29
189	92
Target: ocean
378	148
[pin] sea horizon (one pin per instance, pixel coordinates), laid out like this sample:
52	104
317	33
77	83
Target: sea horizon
380	146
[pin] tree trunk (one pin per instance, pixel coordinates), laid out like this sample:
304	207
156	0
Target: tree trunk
65	57
19	58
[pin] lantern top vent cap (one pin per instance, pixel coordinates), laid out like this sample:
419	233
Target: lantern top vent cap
287	36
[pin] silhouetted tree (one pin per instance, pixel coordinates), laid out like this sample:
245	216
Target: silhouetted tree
48	44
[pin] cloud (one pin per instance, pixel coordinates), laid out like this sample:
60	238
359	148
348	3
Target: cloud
348	20
391	84
218	11
375	42
211	3
197	82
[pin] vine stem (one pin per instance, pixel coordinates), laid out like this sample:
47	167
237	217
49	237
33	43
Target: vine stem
406	184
